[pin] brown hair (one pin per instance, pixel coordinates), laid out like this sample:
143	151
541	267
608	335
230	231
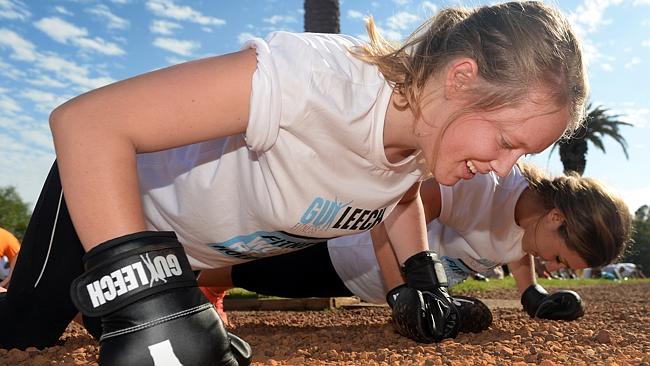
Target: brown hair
516	45
597	223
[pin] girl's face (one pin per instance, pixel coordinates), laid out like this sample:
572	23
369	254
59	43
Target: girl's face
480	142
543	239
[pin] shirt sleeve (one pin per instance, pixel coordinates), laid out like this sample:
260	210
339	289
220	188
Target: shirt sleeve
289	65
265	102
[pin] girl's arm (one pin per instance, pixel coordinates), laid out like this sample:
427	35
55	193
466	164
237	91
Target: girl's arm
388	264
97	134
523	271
405	226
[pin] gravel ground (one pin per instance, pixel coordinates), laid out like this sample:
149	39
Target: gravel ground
614	331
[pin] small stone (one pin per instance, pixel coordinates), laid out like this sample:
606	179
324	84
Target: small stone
604	336
547	363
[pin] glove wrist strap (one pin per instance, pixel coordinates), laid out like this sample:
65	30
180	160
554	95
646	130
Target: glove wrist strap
129	268
424	271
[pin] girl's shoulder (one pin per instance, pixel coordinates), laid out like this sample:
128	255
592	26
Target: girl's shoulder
315	52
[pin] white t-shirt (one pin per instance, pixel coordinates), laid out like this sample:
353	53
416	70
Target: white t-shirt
311	165
476	231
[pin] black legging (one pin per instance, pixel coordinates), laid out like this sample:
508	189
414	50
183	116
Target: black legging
37	307
306	272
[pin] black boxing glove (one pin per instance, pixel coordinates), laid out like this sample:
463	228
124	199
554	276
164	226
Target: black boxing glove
561	305
152	312
475	316
411	319
410	314
424	272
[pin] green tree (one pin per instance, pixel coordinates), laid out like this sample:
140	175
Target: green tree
322	16
14	213
639	251
573	151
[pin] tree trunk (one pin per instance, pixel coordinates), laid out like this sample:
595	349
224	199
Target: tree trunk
573	154
322	16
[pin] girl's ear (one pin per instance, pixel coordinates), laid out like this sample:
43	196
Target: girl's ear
555	218
461	75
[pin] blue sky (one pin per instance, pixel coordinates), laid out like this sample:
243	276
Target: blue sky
53	50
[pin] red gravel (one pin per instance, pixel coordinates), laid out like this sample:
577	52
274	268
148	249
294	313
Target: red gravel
614	331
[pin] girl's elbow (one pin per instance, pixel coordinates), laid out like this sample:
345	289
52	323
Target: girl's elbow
57	118
64	119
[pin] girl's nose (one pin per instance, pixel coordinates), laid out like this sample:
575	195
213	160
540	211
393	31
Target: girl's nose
504	163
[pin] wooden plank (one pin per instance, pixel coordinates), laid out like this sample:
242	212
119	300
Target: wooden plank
311	303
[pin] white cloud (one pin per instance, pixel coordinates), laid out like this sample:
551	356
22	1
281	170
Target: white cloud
164	27
401	2
62	69
587	18
99	45
46	81
590	51
389	34
69	70
641	2
28	167
13	9
429	6
45	102
114	21
167	8
9	105
638	116
645	43
354	14
402	20
606	67
178	46
64	32
243	37
11	71
22	49
591	14
121	2
62	10
175	60
59	29
8	123
41	137
633	62
275	19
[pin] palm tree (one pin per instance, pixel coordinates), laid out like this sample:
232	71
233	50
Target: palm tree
573	151
322	16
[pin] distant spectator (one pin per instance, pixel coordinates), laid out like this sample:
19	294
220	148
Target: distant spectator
624	271
9	247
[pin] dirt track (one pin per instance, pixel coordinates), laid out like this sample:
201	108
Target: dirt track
614	331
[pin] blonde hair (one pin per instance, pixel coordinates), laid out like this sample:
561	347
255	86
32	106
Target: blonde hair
516	45
597	223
